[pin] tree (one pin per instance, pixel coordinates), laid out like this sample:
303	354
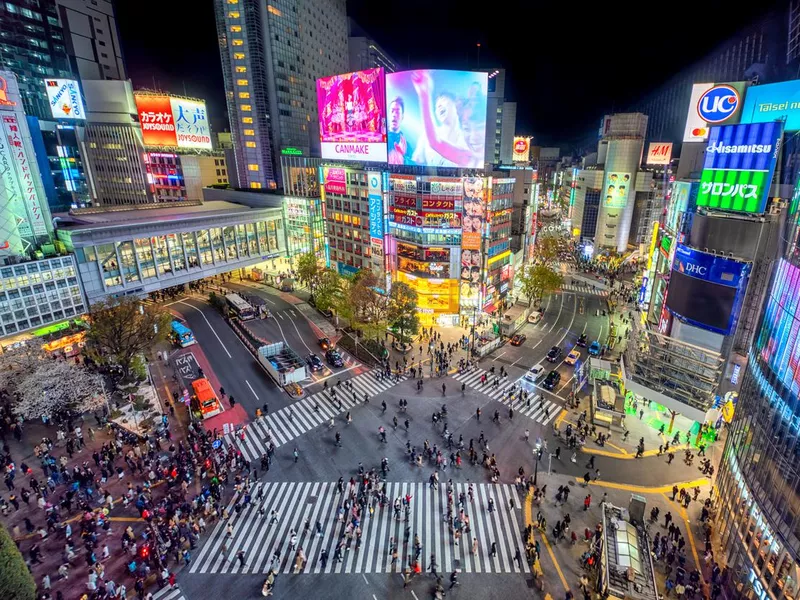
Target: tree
122	328
403	311
308	270
328	290
546	249
16	361
538	280
370	308
57	387
16	581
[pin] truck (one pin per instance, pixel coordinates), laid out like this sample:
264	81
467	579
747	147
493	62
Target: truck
283	364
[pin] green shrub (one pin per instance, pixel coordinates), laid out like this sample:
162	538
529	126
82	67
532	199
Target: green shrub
16	582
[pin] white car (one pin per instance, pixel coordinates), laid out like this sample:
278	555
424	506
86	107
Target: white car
573	357
535	317
535	373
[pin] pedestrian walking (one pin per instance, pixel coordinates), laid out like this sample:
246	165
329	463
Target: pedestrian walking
296	454
493	551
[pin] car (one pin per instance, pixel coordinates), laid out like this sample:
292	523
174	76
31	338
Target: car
573	356
594	348
324	343
582	340
552	379
314	363
334	358
295	390
535	373
518	339
535	317
554	354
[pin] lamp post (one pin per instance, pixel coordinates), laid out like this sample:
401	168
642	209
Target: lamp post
536	466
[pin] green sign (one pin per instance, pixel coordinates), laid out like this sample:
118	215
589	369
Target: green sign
795	199
666	245
741	191
51	329
292	151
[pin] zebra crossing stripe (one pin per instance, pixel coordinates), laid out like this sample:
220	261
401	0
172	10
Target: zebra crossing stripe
259	540
169	593
293	421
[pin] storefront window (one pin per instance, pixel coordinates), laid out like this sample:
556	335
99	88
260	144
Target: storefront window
272	236
230	242
261	230
175	249
218	245
190	248
204	245
252	244
145	255
160	252
108	263
129	270
241	240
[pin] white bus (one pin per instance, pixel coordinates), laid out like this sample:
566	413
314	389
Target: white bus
240	307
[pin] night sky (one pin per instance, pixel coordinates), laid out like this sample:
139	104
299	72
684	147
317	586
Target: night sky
567	63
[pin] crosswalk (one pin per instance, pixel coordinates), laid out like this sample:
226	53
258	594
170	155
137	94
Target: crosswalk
304	415
169	593
580	289
295	502
541	412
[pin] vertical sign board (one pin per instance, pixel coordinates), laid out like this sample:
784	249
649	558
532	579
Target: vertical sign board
376	212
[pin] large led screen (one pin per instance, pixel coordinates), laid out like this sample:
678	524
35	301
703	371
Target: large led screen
777	342
352	116
773	102
708	305
173	122
436	118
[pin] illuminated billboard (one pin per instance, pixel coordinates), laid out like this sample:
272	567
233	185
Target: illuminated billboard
335	180
705	289
436	118
712	104
64	96
738	166
773	101
616	189
173	122
474	213
659	153
678	203
522	149
352	116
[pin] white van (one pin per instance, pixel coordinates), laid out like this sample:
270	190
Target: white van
536	373
535	317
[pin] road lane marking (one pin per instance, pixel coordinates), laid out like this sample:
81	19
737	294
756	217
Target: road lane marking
301	338
251	389
210	326
516	361
279	315
498	356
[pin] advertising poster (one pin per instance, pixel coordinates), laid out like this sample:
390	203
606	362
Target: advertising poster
470	277
173	122
522	149
712	104
448	186
436	118
65	99
438	270
474	213
375	197
659	153
335	180
678	203
14	224
352	116
616	189
773	101
28	176
421	218
739	165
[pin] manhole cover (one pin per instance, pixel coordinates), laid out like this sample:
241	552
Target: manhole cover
311	500
570	483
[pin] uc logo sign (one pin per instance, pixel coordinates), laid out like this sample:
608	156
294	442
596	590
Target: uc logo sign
718	103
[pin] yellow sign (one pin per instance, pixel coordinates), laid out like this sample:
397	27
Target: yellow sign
652	246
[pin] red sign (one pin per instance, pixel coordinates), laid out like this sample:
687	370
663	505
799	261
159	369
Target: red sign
521	145
405	201
156	120
436	203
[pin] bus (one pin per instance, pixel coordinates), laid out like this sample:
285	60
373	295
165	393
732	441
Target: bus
181	335
206	398
240	307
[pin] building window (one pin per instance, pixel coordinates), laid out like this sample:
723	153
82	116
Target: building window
242	82
238	55
274	10
250	144
233	1
245	108
249	131
241	69
256	185
244	95
247	120
237	42
236	28
252	167
234	14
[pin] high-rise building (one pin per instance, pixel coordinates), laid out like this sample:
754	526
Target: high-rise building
501	120
33	47
203	170
366	53
112	146
92	38
272	54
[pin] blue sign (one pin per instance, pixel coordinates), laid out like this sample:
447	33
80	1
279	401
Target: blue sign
771	102
345	270
216	444
375	196
710	267
718	103
749	147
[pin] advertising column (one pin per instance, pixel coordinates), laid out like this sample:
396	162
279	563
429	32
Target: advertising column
376	231
474	215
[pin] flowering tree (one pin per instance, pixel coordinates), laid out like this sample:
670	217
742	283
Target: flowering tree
16	361
54	387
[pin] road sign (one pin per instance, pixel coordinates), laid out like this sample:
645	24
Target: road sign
216	444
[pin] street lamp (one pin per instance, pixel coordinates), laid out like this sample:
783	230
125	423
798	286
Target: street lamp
536	465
